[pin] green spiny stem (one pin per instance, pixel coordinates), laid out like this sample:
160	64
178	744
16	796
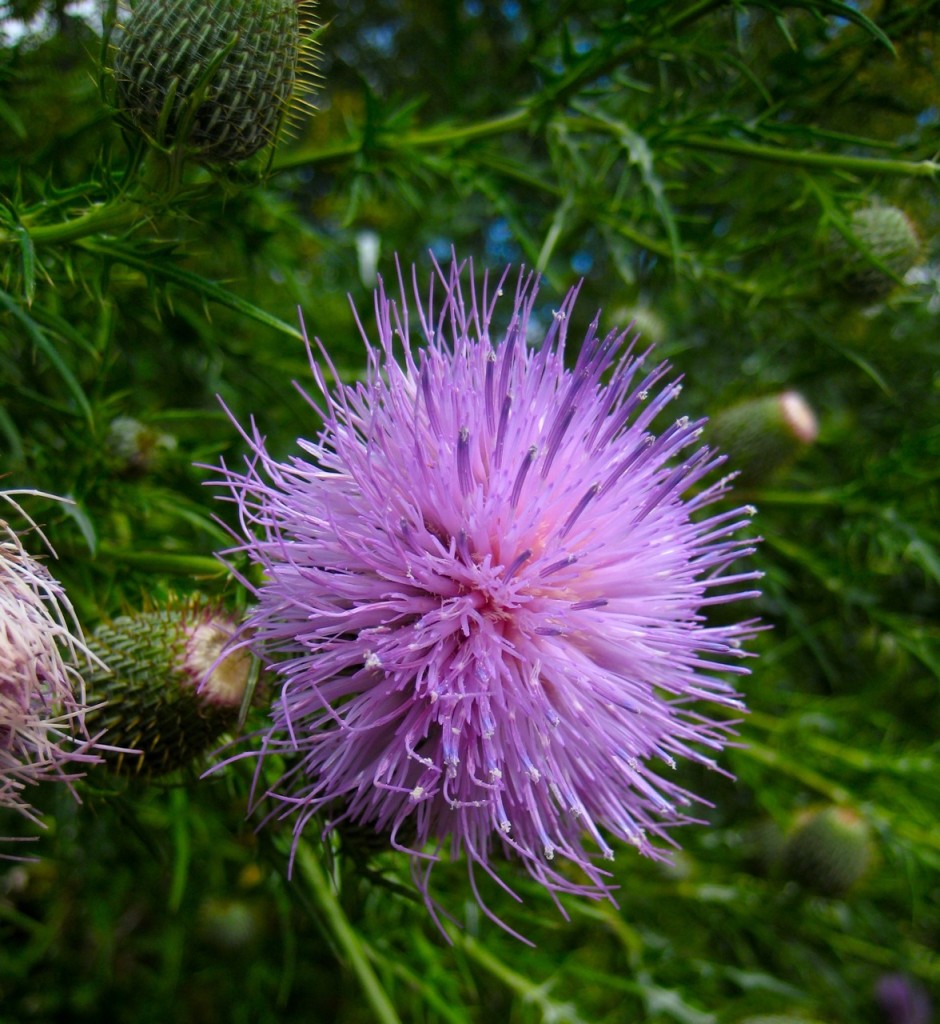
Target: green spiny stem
536	994
101	218
810	158
159	175
457	135
323	893
124	212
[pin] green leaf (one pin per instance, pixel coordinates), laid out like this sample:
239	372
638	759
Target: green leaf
28	251
48	349
187	279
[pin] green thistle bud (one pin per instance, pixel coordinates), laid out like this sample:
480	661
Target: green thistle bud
167	694
135	447
883	247
643	320
216	76
228	924
763	435
829	850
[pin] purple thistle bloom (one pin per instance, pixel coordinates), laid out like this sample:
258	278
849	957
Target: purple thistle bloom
903	1000
484	592
42	733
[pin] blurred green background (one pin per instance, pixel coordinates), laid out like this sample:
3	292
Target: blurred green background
696	164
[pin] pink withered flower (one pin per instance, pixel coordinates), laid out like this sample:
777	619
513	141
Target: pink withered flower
485	586
42	735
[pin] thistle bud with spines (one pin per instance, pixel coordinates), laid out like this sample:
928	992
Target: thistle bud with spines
881	246
218	77
829	850
170	689
761	436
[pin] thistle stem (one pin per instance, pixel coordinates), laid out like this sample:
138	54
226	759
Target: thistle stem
537	995
345	935
811	158
455	135
100	218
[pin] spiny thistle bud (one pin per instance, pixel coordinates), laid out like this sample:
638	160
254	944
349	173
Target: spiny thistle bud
169	692
216	76
829	850
882	246
135	447
42	714
229	924
763	435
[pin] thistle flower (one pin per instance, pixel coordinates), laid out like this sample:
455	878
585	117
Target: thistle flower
42	708
903	1000
485	587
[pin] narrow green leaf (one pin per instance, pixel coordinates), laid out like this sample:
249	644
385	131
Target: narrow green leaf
12	435
13	120
193	282
48	349
851	13
28	251
75	512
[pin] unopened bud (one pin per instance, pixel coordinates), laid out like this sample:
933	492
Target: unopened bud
883	247
763	435
170	691
215	76
829	850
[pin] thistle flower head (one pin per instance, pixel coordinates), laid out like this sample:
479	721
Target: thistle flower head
485	586
42	730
